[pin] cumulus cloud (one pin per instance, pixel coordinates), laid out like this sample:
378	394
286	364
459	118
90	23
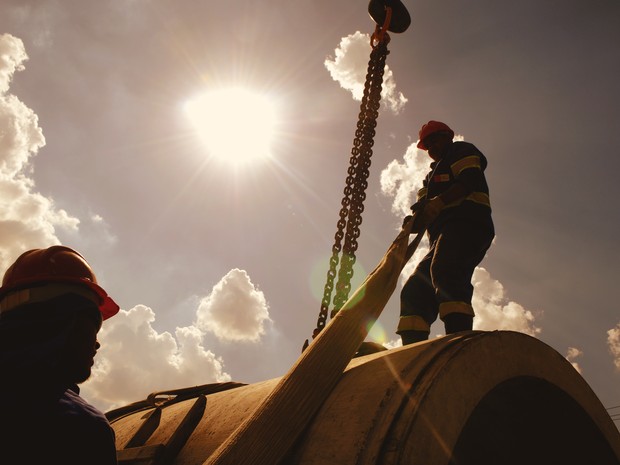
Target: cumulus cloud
401	180
613	342
571	355
495	311
27	218
135	360
235	310
349	66
12	56
393	344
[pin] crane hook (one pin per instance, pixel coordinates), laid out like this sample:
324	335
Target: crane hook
400	20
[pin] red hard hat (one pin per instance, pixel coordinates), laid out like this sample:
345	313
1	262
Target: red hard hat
56	264
431	128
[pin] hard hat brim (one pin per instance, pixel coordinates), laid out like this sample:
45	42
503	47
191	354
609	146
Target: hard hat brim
107	306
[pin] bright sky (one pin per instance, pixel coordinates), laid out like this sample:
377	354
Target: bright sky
196	155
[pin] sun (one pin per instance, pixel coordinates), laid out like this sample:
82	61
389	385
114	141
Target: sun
236	124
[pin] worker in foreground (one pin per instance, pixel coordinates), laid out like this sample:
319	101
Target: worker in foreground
51	309
453	207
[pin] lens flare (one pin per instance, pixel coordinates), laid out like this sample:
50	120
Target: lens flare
318	278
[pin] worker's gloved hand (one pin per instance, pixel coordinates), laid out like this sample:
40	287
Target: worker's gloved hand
416	209
416	227
419	205
431	211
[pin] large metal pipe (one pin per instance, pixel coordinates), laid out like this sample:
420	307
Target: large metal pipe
472	398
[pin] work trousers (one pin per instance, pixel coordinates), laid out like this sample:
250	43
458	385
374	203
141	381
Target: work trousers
441	283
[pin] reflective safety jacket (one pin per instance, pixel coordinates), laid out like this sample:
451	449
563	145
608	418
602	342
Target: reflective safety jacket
465	164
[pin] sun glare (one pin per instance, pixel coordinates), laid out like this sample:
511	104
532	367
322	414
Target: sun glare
235	124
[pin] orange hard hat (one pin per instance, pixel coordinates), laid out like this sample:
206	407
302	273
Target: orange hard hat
57	265
431	128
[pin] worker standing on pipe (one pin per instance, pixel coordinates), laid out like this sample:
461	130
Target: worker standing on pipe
51	309
453	206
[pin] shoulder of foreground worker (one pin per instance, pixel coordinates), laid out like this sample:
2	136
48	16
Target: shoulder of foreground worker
86	430
71	432
75	406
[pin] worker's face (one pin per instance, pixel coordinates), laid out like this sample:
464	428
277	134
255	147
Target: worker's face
81	347
437	145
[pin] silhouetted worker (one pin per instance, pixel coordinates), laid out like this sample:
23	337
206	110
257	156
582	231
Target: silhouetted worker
51	309
453	206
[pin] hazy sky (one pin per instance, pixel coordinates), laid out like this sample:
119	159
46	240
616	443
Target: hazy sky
110	117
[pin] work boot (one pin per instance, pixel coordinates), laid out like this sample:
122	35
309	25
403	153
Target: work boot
411	336
457	322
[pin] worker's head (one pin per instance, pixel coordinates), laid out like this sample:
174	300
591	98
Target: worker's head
39	275
435	137
51	309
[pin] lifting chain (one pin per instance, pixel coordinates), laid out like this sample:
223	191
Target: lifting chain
348	226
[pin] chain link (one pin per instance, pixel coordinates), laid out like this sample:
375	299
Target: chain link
348	225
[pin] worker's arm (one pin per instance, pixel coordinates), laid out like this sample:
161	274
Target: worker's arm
457	192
